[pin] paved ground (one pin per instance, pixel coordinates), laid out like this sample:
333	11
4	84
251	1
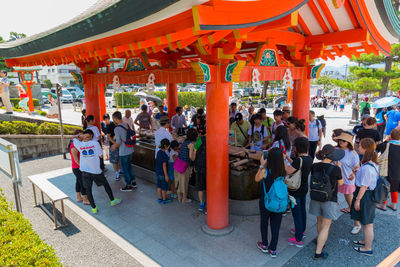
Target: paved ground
79	244
172	235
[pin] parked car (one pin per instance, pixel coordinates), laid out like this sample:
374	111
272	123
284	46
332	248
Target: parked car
66	96
110	101
75	91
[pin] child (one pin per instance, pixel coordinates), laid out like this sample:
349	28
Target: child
173	155
278	121
162	172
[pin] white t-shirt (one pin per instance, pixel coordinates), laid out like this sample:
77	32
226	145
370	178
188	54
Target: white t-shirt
95	131
172	153
313	130
129	121
257	136
349	161
367	175
90	152
274	127
159	135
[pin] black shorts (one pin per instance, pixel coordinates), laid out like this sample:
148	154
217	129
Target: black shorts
89	178
201	179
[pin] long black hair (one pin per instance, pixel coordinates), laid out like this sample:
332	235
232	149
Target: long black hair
275	163
282	133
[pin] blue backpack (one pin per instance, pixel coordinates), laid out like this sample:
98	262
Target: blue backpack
277	198
130	140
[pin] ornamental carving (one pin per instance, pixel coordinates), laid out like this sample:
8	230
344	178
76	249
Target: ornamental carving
268	58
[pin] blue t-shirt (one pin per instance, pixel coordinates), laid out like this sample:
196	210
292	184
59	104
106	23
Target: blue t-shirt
379	117
158	116
184	152
393	120
161	158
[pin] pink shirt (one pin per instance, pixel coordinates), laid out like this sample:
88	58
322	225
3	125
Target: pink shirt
74	165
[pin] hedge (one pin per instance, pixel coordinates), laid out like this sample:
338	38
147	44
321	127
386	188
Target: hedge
24	127
40	112
20	244
195	99
15	101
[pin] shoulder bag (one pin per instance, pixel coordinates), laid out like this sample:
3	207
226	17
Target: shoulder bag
293	181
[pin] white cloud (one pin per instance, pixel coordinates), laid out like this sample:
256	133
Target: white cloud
34	16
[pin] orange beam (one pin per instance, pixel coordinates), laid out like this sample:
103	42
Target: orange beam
337	38
318	16
328	15
304	27
351	14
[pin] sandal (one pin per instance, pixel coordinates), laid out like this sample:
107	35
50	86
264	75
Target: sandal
358	244
390	207
381	208
86	203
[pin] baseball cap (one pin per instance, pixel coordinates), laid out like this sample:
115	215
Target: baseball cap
164	120
238	117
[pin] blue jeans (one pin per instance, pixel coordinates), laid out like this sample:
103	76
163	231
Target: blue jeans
129	175
300	217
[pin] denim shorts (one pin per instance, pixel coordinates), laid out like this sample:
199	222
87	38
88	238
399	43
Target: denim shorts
161	183
171	175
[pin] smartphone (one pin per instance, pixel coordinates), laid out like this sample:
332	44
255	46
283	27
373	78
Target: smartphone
265	154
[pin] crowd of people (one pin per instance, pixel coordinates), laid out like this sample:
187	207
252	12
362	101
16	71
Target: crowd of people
351	167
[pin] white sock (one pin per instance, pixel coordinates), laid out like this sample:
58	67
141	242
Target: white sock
117	174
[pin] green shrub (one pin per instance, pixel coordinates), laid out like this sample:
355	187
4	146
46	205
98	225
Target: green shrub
130	100
49	128
70	129
42	113
23	127
20	244
15	101
7	127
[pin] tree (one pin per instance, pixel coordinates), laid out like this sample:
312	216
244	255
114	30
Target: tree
14	36
325	81
48	83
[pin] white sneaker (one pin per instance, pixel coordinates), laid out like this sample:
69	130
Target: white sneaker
355	230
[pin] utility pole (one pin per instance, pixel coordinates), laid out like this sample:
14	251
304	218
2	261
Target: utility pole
59	94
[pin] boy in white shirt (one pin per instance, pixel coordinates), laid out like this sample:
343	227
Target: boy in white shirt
89	165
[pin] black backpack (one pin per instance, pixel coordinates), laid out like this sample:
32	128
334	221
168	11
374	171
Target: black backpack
320	186
382	189
200	162
366	110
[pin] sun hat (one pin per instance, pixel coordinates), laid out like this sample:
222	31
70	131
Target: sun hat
345	137
155	110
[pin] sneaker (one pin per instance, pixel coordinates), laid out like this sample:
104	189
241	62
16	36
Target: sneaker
115	202
322	256
159	200
175	196
95	210
127	188
168	200
134	185
355	230
272	253
294	242
9	112
293	232
262	247
117	177
202	206
188	200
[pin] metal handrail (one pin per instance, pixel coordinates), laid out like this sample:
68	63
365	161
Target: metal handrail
12	170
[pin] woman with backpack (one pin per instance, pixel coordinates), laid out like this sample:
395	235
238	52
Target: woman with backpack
281	140
349	162
271	169
362	207
301	163
325	178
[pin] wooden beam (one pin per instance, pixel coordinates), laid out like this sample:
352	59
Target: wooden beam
338	38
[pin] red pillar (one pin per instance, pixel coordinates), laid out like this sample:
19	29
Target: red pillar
301	97
172	98
92	101
29	93
102	101
289	95
217	94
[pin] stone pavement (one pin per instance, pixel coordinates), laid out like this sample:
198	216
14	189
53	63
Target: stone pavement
171	234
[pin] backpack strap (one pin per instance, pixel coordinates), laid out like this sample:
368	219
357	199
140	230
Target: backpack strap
241	130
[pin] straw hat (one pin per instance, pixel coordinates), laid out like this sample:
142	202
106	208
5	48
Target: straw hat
345	137
155	111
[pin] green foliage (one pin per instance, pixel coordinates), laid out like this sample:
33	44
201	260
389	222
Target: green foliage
48	84
42	113
15	101
16	35
196	99
325	81
23	127
20	244
368	59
